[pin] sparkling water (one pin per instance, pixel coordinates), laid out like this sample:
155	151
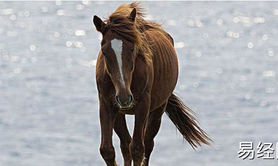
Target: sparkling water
228	58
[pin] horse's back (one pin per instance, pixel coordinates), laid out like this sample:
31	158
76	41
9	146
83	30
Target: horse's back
165	65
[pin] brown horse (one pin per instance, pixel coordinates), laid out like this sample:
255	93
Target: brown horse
136	73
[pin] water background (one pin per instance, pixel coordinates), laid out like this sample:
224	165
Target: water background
228	58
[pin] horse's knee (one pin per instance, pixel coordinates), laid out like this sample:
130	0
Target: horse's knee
137	150
107	153
149	144
125	148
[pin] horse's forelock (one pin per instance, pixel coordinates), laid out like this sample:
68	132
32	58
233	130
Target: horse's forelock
120	24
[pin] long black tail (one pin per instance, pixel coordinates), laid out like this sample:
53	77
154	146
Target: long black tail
186	123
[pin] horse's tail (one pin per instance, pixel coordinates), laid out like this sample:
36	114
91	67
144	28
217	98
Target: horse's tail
186	123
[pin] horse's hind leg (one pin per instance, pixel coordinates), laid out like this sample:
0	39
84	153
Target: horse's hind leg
122	131
152	129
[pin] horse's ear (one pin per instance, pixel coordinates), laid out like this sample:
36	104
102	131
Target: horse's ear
99	24
132	15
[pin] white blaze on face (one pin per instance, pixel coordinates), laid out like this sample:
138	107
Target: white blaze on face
117	46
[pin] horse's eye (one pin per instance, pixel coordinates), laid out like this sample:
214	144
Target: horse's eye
132	49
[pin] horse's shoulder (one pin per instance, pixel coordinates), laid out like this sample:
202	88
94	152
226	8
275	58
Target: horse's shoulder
99	65
142	75
101	75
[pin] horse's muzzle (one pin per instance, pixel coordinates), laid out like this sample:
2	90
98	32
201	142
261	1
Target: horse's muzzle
125	102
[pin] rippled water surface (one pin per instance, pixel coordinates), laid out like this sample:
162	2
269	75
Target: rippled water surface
228	58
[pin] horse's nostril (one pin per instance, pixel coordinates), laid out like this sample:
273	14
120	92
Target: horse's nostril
130	99
124	101
118	99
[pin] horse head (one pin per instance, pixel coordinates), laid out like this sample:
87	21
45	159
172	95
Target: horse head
118	49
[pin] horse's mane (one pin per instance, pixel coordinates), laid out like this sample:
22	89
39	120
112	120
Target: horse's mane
133	31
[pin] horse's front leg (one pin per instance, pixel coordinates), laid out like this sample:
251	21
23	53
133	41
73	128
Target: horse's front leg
137	144
107	117
121	130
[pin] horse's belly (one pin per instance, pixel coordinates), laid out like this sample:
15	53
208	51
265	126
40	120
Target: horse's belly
165	79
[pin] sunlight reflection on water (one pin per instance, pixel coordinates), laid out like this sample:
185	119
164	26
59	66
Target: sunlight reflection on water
48	97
